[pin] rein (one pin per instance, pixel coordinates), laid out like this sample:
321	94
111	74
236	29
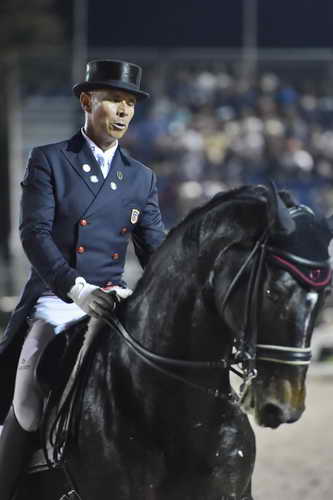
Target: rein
153	359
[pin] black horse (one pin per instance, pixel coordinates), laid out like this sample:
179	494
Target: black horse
239	282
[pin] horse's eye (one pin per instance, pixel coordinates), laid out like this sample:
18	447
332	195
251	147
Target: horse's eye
272	295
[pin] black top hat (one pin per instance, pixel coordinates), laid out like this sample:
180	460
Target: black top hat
110	73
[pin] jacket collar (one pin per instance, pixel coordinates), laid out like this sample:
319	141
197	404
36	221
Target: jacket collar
81	158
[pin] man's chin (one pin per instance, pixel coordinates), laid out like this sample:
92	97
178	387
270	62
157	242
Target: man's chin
116	134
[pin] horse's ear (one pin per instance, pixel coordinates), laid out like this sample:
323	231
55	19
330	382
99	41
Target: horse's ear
281	222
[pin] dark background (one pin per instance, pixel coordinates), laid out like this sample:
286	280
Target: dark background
281	23
189	23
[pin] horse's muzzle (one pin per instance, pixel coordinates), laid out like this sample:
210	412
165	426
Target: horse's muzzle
273	415
274	401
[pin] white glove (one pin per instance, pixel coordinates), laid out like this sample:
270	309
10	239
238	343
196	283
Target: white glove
121	293
96	301
81	294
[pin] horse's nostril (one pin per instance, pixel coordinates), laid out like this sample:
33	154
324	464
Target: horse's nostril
272	415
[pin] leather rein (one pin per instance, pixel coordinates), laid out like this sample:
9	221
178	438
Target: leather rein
246	351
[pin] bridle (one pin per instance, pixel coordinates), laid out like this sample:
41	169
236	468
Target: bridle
246	351
314	274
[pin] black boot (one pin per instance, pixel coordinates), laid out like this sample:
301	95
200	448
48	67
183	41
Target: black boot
16	447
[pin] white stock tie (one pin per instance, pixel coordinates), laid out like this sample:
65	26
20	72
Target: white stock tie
103	164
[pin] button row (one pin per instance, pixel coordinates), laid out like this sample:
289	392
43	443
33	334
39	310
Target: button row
81	249
84	222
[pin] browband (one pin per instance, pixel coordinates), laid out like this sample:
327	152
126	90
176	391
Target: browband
317	274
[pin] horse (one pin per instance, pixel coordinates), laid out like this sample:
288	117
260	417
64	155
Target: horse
236	286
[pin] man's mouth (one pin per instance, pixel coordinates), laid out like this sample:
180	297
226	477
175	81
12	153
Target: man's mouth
119	125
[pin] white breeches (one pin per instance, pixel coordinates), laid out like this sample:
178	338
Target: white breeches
28	400
50	316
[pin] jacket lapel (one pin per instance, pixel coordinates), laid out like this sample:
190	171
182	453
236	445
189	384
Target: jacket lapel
115	185
84	163
116	179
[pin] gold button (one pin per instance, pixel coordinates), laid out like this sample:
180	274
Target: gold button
80	249
83	222
115	256
123	230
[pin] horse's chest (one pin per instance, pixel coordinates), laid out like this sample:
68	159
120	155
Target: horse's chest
203	464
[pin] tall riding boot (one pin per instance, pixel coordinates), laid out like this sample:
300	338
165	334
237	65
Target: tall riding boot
16	447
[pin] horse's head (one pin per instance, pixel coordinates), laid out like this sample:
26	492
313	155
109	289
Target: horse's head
269	286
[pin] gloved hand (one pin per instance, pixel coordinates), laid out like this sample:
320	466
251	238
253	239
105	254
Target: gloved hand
95	301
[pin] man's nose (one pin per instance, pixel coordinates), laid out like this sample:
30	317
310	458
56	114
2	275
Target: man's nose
122	108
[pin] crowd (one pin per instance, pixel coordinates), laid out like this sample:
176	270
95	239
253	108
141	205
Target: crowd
210	130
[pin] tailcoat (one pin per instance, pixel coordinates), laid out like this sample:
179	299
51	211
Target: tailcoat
76	223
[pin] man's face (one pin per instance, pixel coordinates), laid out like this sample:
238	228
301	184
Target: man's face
109	113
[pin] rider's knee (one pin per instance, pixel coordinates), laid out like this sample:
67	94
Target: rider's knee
28	415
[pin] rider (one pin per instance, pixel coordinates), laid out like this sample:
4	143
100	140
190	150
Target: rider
81	200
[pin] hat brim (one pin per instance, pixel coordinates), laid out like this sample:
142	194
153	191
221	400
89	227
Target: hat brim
87	86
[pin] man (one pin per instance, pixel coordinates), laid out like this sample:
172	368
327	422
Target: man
81	200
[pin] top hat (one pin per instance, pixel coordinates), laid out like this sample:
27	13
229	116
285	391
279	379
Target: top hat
114	74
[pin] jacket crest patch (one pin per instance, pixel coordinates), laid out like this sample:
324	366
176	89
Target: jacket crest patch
135	215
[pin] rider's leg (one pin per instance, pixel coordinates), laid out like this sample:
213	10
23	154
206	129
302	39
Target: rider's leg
28	398
17	437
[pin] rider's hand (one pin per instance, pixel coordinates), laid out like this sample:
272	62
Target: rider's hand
106	300
102	303
95	301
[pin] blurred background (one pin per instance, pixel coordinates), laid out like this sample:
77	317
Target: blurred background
242	91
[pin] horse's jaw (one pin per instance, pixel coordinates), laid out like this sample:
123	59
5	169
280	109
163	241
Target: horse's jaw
275	401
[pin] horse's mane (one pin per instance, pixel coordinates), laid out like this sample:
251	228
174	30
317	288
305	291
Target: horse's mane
188	229
243	193
195	215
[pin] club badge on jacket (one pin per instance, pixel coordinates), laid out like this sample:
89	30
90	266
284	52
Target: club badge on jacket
135	215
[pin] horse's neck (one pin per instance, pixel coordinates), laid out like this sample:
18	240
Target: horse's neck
176	410
174	319
178	323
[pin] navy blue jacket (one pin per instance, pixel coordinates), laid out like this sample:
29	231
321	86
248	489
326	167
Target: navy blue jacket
75	223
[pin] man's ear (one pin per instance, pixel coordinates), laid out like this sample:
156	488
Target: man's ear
85	100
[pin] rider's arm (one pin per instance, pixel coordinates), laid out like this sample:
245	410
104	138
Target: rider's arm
36	222
149	232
